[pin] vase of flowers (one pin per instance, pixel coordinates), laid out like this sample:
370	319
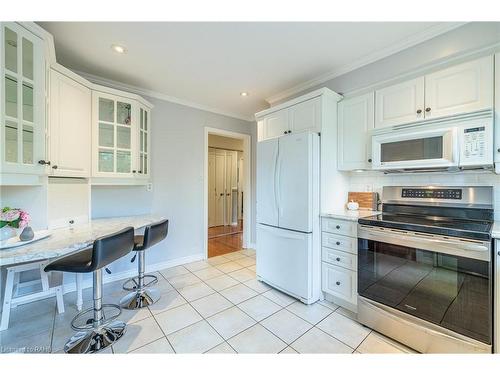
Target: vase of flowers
12	221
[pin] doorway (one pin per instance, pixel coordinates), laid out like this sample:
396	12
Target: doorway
227	191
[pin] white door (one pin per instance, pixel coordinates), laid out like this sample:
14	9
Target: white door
462	88
306	116
211	188
220	186
284	259
69	127
399	104
267	204
228	213
276	124
295	181
356	119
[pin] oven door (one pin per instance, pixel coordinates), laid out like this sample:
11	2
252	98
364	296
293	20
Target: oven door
444	281
414	149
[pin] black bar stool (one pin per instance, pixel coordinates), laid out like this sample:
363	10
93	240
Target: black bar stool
141	294
100	331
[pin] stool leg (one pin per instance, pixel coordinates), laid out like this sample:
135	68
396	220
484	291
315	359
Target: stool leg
142	296
79	291
103	333
9	287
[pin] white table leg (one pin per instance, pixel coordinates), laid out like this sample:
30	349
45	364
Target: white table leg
9	286
79	291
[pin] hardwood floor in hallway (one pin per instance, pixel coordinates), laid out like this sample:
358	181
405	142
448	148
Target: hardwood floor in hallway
225	239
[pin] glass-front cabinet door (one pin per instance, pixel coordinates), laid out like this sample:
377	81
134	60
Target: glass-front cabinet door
114	136
143	160
23	106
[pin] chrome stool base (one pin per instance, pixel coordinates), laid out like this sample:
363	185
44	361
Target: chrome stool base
134	282
140	298
95	339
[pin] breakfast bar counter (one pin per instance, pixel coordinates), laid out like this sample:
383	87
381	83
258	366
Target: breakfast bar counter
68	240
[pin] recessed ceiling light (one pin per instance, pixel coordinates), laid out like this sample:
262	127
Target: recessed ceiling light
244	93
118	48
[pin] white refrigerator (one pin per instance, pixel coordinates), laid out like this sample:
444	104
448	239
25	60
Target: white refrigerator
288	229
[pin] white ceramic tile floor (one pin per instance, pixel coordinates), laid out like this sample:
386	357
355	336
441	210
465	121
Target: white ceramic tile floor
197	314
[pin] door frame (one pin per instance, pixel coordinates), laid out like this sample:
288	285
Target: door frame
247	200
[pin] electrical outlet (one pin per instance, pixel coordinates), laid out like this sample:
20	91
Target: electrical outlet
149	186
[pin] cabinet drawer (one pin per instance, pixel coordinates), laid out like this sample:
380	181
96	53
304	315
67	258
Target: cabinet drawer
347	228
339	282
339	242
340	258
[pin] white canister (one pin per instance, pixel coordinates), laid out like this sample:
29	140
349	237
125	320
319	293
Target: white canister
352	206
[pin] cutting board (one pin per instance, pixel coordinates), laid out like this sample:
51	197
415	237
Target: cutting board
366	201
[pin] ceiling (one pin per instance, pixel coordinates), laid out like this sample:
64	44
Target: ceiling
208	64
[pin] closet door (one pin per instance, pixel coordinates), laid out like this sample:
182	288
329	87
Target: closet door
229	186
211	187
220	186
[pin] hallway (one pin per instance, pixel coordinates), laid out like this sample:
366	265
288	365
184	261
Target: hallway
224	239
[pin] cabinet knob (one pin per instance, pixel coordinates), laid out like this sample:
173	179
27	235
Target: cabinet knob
498	149
134	171
72	221
337	226
284	132
54	167
221	194
140	172
338	283
428	109
419	111
369	160
289	131
338	259
43	162
338	242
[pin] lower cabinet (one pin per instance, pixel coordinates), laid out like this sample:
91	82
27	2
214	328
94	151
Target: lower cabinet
339	282
339	262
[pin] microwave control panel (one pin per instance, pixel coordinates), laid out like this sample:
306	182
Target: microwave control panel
474	142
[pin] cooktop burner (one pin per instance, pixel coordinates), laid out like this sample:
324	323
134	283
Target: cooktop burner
480	230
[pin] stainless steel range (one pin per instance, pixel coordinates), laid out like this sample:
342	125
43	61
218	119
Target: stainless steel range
425	268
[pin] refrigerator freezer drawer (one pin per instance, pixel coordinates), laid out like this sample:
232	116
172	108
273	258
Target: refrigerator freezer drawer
285	260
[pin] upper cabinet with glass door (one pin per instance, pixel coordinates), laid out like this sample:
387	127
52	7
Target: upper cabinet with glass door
22	143
114	136
144	155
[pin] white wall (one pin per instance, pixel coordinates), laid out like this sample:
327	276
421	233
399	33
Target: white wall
177	173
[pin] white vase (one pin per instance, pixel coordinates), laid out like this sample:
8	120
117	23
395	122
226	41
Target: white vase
7	232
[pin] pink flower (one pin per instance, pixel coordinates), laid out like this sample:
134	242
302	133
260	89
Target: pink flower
10	215
25	218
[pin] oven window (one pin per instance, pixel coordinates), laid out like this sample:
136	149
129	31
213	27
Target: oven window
452	292
414	149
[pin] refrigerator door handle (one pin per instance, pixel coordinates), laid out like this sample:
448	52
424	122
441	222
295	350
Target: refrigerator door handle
278	184
276	181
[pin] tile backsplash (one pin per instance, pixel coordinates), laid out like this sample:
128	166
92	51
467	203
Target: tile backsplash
374	181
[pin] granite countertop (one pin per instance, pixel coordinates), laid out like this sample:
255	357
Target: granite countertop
68	240
350	215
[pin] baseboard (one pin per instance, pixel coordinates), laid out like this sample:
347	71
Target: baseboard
71	287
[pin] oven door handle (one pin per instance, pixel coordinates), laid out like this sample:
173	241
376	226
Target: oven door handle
476	250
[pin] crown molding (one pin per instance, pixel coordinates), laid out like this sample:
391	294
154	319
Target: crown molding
411	41
158	95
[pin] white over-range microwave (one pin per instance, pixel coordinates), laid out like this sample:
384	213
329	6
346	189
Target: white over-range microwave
451	145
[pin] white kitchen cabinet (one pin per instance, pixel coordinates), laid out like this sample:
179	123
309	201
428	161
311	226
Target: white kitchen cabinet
462	88
114	136
356	118
339	261
22	108
305	116
399	104
276	124
69	138
143	156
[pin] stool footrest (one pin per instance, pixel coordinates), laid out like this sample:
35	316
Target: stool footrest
133	283
89	325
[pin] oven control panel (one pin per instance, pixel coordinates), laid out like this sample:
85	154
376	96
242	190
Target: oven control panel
432	193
